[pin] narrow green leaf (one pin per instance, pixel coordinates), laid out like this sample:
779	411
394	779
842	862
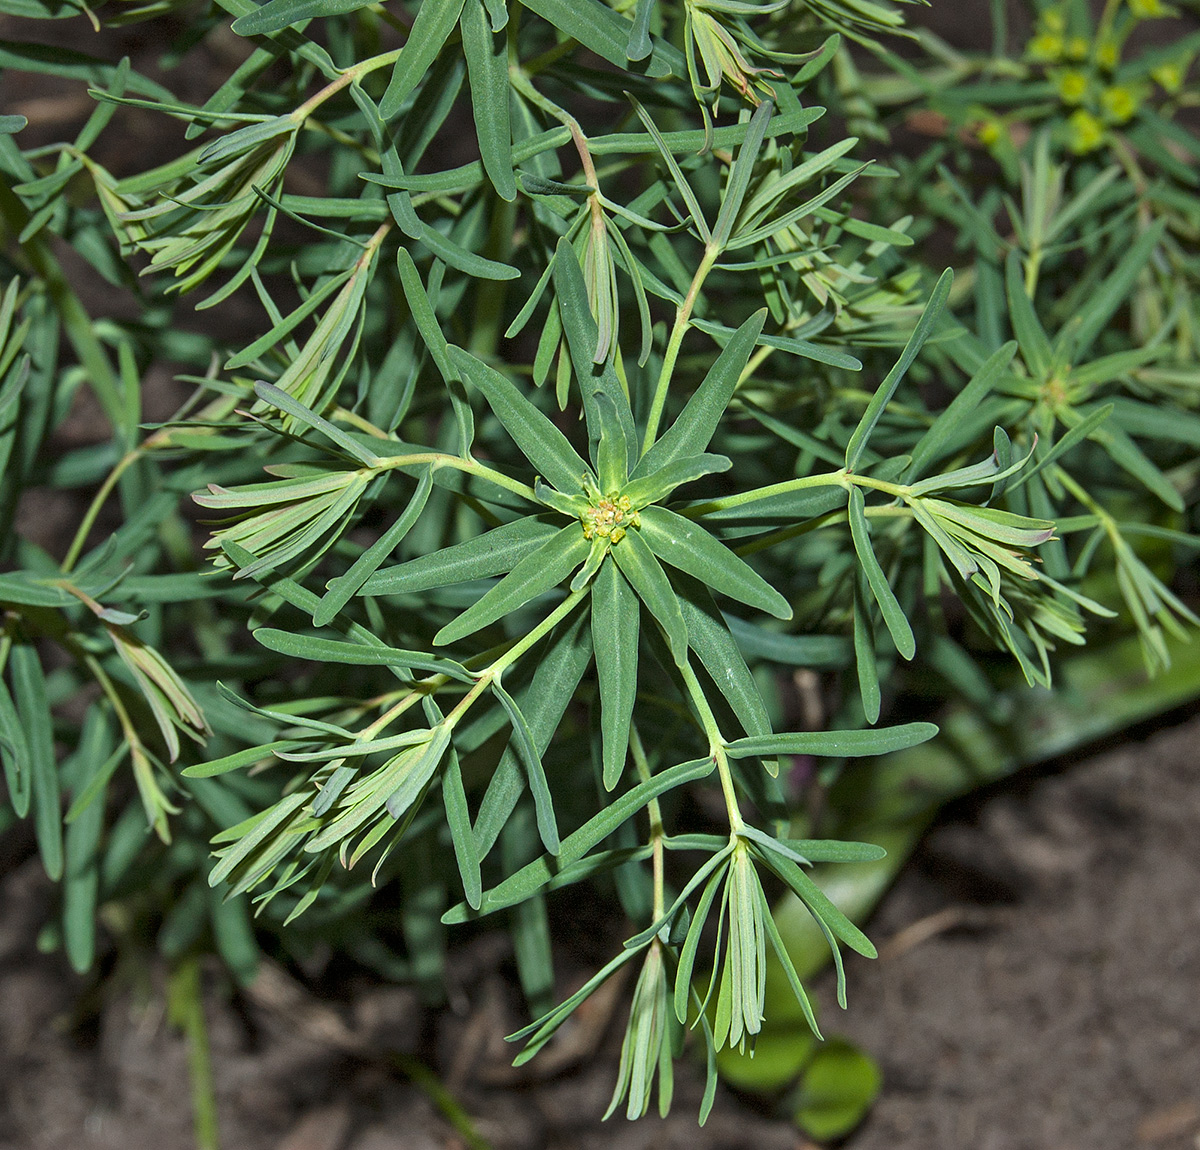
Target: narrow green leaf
615	631
538	572
579	326
535	875
881	398
269	393
835	744
462	837
246	757
655	487
680	180
430	30
276	15
889	605
816	900
342	589
710	638
1035	343
598	27
491	553
33	711
541	442
686	545
527	750
319	650
642	569
690	434
15	754
1102	304
740	175
929	446
487	69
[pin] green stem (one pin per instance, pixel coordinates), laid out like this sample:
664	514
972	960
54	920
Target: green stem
683	315
185	1008
656	824
716	747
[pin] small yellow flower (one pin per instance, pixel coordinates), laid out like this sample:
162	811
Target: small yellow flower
1045	48
1076	48
1119	103
1053	20
1147	9
1108	54
1170	76
1072	85
991	132
1085	132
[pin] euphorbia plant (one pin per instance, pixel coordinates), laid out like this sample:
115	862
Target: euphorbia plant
478	634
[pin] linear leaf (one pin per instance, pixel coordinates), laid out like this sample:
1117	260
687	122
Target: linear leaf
33	711
492	553
342	589
527	751
686	545
538	572
487	69
649	580
430	30
893	614
598	27
1035	343
319	650
535	875
881	398
690	434
835	744
615	631
539	440
462	837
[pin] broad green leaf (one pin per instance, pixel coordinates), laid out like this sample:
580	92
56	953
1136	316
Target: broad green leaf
615	632
881	398
893	614
691	432
538	572
491	553
686	545
487	67
546	448
642	569
527	751
836	1091
835	744
534	876
430	30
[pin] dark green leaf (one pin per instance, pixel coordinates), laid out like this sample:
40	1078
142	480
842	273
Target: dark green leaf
893	614
615	631
642	569
836	744
487	67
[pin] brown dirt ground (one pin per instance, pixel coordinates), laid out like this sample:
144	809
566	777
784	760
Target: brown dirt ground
1036	990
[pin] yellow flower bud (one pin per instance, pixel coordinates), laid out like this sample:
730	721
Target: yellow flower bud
1119	104
1045	48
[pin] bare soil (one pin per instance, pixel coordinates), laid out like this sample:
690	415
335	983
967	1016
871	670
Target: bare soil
1036	990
